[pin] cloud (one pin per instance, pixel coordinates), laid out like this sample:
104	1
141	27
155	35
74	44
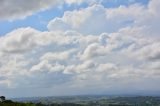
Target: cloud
74	1
79	68
89	20
90	2
82	20
149	52
20	40
103	39
18	9
77	53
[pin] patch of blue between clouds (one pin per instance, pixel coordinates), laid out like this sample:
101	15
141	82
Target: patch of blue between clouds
117	3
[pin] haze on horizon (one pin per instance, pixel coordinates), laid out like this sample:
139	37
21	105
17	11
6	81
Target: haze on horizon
79	47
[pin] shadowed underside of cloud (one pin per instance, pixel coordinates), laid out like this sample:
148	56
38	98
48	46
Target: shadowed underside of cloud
92	49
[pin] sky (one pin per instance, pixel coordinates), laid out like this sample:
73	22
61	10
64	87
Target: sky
79	47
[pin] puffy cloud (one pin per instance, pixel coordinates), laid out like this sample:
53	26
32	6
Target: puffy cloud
45	66
20	40
114	19
82	20
89	20
79	68
94	50
149	52
80	54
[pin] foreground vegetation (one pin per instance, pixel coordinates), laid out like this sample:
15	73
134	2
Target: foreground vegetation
10	103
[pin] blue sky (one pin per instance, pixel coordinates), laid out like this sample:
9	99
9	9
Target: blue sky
76	47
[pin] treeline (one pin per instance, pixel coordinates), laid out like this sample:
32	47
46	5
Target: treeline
11	103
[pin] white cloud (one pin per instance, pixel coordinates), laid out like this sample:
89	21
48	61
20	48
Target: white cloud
90	2
56	56
47	67
149	52
83	67
86	21
83	54
89	20
20	40
74	1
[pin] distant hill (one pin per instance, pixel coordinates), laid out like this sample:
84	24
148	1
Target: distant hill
92	101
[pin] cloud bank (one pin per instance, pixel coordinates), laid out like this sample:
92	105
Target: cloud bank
87	50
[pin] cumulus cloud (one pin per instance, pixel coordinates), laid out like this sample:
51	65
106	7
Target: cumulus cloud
20	40
81	52
149	52
88	20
